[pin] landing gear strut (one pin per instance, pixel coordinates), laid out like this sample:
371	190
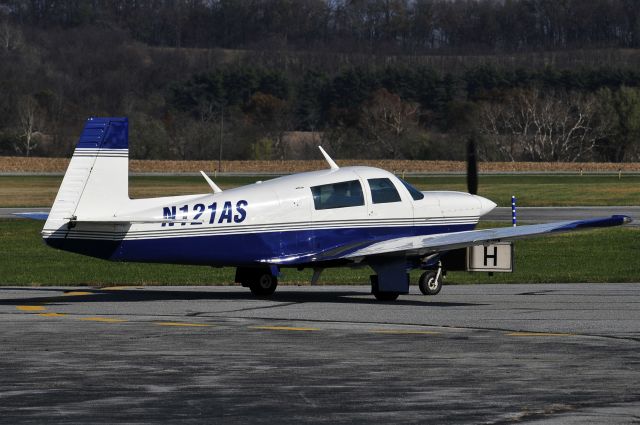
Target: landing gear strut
430	282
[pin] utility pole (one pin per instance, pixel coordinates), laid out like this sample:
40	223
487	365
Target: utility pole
221	135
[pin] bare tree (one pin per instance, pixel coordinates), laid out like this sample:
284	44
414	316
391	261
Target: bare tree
10	36
388	121
531	126
30	125
494	121
273	116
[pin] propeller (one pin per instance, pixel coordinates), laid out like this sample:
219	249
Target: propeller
472	166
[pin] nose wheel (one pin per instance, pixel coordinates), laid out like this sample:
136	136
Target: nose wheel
430	282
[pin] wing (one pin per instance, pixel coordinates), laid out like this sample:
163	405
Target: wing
421	245
416	246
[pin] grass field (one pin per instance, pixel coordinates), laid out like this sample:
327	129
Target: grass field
531	190
608	255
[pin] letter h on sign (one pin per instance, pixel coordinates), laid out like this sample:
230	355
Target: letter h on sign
493	256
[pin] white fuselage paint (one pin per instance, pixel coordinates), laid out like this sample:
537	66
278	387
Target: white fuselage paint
284	203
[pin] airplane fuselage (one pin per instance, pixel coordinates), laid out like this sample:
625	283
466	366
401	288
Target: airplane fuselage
287	221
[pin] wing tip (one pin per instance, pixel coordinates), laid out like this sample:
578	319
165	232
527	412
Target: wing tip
625	219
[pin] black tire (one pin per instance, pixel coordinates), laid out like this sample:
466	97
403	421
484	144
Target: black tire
264	285
386	296
428	283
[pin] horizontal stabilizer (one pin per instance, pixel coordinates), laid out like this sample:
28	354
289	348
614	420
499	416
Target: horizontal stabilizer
33	215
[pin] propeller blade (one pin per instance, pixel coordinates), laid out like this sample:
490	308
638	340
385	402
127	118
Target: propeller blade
472	166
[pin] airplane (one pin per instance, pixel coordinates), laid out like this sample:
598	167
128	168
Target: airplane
336	217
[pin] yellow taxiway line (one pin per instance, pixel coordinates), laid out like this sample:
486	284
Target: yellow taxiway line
30	308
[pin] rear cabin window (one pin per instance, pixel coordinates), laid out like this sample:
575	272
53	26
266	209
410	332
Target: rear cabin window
337	195
415	193
383	191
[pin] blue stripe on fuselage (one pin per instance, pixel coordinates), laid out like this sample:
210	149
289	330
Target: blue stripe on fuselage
244	249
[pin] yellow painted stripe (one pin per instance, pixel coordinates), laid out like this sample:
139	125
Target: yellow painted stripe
103	319
404	332
115	288
30	308
181	324
538	334
77	293
51	314
283	328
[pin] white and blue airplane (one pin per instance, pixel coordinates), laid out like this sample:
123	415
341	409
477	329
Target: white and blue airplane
337	217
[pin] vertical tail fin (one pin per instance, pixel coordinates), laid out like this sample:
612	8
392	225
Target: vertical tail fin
97	180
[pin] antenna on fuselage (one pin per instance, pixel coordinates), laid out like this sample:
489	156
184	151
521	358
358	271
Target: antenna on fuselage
213	186
332	164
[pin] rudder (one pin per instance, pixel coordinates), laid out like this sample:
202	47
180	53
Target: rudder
97	180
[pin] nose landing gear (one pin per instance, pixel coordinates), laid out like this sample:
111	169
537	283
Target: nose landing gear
430	282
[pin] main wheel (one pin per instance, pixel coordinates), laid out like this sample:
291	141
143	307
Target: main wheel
265	285
386	296
429	284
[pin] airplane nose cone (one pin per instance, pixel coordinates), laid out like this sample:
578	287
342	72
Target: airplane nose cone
486	205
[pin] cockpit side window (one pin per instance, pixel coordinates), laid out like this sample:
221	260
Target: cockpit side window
415	193
383	191
337	195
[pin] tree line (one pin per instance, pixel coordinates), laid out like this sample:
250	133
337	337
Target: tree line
61	61
349	25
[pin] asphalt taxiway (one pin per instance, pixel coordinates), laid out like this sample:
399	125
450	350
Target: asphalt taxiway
552	353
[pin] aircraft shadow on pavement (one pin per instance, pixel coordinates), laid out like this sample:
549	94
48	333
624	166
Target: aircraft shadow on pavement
242	294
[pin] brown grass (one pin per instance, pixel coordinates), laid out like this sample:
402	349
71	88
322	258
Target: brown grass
59	165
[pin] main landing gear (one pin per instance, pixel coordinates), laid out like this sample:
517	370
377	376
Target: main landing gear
261	281
391	278
386	296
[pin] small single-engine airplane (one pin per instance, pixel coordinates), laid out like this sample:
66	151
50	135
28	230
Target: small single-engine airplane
350	216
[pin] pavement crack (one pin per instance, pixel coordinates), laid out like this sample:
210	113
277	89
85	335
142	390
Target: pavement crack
240	310
542	292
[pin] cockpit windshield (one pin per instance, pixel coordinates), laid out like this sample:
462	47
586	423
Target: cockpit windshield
415	193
